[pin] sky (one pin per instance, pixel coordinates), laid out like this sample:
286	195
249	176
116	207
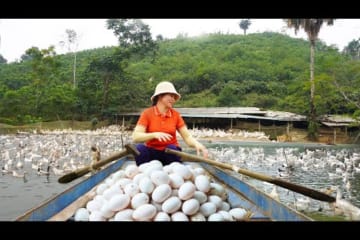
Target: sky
18	35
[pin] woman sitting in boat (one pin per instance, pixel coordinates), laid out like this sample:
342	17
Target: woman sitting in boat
157	126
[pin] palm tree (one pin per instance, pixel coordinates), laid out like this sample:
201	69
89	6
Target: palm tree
244	25
312	28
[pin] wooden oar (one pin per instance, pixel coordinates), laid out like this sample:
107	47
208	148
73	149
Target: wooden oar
277	181
129	149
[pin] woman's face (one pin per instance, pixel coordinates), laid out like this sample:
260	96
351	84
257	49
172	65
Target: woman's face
168	99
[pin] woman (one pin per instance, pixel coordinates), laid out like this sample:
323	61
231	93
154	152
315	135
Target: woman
157	127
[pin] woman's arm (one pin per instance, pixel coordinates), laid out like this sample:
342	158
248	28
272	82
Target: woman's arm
192	142
140	135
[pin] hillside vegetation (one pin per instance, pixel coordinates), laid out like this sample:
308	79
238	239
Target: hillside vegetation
266	70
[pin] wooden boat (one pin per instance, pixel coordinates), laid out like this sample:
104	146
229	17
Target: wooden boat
240	194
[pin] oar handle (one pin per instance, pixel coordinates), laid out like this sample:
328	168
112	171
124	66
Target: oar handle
277	181
129	149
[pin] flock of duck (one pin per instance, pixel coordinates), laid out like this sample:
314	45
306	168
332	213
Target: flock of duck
61	151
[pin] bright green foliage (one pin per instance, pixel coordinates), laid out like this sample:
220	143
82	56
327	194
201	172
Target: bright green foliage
266	70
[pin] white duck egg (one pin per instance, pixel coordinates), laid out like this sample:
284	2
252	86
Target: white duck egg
190	207
171	165
109	181
161	193
217	200
176	180
106	211
198	171
149	170
144	166
159	177
208	208
202	183
157	163
225	206
131	171
167	169
217	189
189	166
82	214
119	174
144	213
226	215
146	185
171	205
200	196
93	205
238	213
110	192
179	217
187	190
137	178
198	217
119	202
96	216
183	171
162	217
124	215
101	188
123	182
117	185
131	189
216	217
100	199
139	199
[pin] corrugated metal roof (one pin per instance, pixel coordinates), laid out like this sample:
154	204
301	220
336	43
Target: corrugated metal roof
233	113
332	124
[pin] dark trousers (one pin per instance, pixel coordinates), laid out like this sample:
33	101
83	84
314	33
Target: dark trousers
147	154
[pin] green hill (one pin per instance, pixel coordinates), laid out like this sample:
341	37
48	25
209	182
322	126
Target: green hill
266	70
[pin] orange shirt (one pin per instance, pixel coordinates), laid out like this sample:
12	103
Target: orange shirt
154	121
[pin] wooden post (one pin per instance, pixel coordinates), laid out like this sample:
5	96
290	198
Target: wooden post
288	129
346	133
231	123
334	135
259	126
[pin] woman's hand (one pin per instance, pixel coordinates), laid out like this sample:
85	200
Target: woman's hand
201	148
161	136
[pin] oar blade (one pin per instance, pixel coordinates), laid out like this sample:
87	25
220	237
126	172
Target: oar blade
304	190
68	177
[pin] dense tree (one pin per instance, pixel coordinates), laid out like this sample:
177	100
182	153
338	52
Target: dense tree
245	24
132	34
44	70
312	28
353	49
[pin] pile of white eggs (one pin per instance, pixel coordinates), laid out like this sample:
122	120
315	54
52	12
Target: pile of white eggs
153	192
